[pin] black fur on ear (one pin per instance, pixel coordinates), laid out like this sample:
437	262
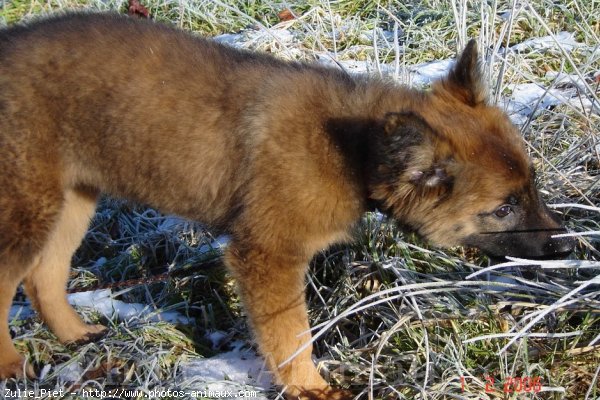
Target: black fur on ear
406	126
410	161
466	80
407	152
402	132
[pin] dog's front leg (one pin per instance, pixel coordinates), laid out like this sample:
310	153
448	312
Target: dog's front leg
272	289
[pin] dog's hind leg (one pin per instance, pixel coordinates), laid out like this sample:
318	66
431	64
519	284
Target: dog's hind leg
28	212
12	364
45	284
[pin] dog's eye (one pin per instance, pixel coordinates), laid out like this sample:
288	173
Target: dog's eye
503	211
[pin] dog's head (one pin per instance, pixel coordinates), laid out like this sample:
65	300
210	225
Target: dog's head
455	170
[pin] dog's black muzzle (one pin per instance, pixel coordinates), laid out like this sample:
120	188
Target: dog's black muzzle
536	244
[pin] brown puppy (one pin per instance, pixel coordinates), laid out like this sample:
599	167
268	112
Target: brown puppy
285	157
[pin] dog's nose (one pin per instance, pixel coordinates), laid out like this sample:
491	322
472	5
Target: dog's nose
559	247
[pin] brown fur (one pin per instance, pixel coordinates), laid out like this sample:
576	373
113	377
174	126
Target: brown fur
283	156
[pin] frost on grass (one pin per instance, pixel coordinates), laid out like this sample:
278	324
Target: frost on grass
564	40
394	318
523	101
239	369
102	302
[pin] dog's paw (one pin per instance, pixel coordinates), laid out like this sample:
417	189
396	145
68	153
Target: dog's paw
338	394
18	368
328	393
90	334
96	330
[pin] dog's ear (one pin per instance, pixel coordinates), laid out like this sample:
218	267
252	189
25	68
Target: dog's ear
410	163
391	158
403	134
435	176
415	152
466	79
405	126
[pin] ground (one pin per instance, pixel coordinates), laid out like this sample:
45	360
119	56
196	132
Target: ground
395	318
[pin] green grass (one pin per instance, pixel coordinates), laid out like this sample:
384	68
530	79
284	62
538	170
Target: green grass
412	345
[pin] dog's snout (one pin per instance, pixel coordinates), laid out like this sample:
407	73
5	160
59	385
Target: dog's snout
559	247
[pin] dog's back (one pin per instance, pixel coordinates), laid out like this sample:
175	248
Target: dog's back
171	116
103	94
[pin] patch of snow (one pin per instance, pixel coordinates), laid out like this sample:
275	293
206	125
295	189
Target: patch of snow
216	338
424	74
572	85
526	96
171	223
505	15
566	80
23	311
586	104
379	217
359	66
279	35
351	66
543	44
255	38
103	302
420	75
219	243
518	119
45	369
384	37
69	371
99	263
231	39
227	371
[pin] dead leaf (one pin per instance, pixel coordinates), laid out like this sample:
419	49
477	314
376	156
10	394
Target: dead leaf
136	9
286	15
